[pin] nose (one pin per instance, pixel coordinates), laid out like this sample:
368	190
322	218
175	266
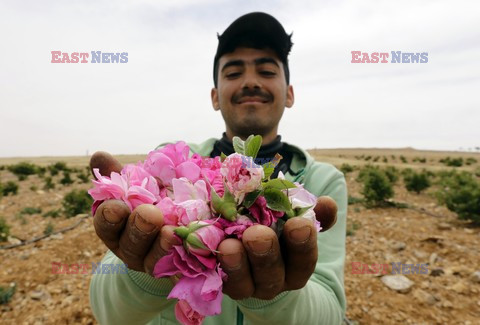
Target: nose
250	79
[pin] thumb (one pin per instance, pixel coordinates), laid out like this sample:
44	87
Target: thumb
105	163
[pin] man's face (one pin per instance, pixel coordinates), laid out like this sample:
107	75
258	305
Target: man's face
251	92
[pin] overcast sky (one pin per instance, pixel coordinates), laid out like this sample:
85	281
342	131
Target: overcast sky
163	92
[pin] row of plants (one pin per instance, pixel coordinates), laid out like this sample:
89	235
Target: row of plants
24	169
448	161
458	190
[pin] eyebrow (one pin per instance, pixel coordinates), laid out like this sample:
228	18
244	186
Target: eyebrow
258	61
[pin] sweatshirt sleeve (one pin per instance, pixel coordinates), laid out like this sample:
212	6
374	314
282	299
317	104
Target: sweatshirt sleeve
127	297
322	300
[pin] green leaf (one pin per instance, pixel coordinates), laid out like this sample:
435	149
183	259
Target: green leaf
238	145
301	211
250	198
279	184
223	157
277	200
268	170
252	145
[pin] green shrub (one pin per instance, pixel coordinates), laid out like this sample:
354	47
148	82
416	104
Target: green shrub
4	229
76	202
49	228
346	168
452	162
354	200
31	210
9	187
417	182
49	184
66	180
477	171
57	167
420	160
375	159
461	194
385	159
33	188
470	161
52	213
392	174
376	187
403	159
84	177
6	294
2	167
23	169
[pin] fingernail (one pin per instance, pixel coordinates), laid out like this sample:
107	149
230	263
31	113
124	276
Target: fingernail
111	217
301	235
143	225
260	246
232	260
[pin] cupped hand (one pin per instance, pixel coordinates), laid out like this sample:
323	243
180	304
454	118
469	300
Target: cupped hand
261	265
139	238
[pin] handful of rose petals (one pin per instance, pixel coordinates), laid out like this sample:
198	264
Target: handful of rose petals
208	200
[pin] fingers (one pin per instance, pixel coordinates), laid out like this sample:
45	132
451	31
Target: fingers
266	263
140	232
301	252
109	222
234	262
326	212
105	163
162	244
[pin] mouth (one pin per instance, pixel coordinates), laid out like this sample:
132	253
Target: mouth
252	100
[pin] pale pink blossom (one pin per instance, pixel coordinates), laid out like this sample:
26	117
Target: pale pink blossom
242	175
192	199
117	187
301	198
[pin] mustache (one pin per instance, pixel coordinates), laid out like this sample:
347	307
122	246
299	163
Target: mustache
249	92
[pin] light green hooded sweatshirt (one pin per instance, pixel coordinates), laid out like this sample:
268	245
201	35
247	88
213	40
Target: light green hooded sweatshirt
138	298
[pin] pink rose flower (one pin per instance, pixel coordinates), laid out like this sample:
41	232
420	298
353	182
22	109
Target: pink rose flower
186	315
237	227
171	162
242	175
209	236
192	199
203	292
262	214
117	187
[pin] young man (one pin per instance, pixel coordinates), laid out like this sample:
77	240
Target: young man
295	280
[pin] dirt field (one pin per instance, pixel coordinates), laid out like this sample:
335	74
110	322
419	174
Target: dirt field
448	294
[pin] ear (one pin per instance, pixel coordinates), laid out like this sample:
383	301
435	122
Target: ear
214	96
290	97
